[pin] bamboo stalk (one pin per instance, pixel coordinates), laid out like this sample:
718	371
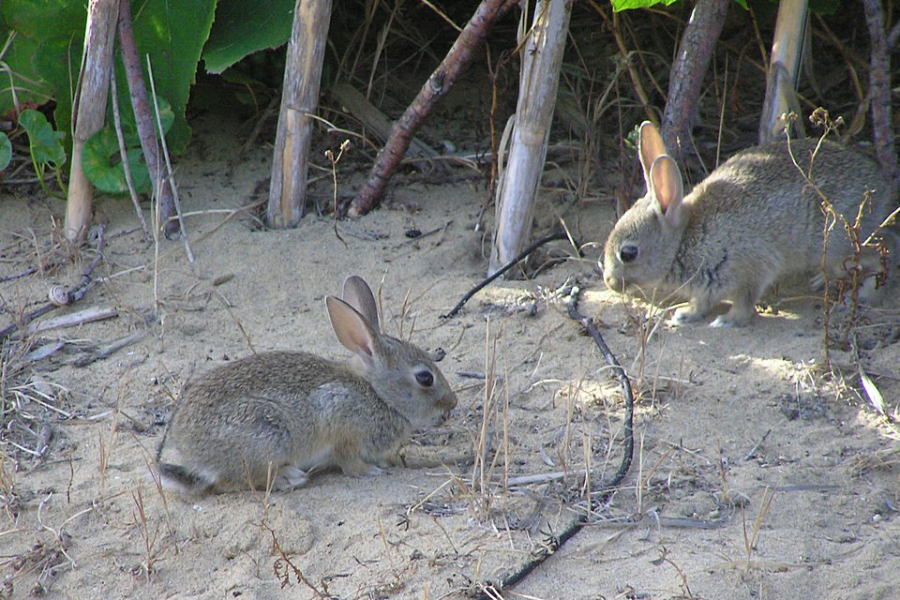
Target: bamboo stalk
299	100
541	62
89	110
784	68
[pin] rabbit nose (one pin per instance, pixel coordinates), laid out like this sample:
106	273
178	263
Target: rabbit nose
448	402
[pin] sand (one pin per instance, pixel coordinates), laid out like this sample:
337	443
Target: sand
759	472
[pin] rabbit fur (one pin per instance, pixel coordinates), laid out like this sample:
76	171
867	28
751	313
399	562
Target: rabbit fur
269	419
752	222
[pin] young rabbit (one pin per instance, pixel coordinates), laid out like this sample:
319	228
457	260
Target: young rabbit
752	222
269	419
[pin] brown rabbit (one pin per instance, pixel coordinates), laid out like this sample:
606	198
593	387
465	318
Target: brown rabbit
269	419
753	221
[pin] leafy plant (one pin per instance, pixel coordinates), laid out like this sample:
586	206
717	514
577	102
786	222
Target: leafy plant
48	35
243	27
45	145
5	151
101	156
828	7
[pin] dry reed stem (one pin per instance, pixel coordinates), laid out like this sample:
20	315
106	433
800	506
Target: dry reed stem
751	537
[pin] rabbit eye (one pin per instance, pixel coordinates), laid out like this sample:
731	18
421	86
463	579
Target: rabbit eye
425	378
628	253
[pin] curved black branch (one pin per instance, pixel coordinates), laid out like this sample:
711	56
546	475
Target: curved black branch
560	235
492	590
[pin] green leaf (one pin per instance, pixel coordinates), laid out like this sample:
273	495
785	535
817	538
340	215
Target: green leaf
44	19
22	75
45	53
619	5
5	151
101	161
46	144
173	33
243	27
58	60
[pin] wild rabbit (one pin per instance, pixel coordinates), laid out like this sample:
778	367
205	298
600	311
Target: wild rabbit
752	222
269	419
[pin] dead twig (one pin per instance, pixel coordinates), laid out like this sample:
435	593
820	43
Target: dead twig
111	348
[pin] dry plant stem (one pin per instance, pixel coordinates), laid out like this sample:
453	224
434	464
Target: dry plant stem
299	100
492	590
73	294
117	118
751	536
880	92
89	110
25	273
688	71
542	55
440	82
144	119
170	175
561	235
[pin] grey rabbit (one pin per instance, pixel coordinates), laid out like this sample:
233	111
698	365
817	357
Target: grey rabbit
752	222
271	418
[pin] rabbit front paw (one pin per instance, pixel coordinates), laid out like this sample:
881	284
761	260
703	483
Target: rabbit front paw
693	312
743	309
725	322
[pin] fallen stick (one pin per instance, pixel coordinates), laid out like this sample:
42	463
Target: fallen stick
43	352
355	103
81	317
108	350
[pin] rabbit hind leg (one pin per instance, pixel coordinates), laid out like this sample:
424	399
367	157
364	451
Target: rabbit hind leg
351	463
289	478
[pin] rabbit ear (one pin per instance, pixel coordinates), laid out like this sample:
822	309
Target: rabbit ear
358	294
668	191
352	329
650	147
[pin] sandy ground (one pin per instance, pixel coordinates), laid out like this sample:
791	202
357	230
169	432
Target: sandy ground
757	472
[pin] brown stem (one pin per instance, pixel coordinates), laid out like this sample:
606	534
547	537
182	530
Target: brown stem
440	82
880	92
688	71
144	119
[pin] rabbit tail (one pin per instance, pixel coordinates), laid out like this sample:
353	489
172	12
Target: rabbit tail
182	480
